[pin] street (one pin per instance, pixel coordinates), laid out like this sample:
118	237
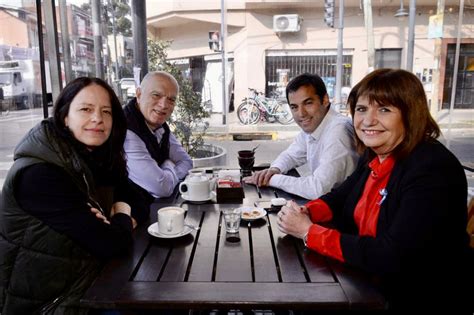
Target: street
14	125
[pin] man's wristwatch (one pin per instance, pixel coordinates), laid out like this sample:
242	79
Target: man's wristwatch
305	239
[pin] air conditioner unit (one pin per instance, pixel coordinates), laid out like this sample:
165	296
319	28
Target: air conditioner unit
286	23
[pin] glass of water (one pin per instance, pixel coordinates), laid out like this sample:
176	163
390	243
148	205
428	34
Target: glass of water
232	220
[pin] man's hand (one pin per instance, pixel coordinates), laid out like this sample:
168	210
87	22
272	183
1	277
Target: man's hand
262	178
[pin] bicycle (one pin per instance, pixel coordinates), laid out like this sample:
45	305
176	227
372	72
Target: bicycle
258	107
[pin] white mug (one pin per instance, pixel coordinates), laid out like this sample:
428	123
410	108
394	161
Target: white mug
196	188
170	220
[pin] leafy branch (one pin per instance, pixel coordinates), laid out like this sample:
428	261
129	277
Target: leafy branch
187	121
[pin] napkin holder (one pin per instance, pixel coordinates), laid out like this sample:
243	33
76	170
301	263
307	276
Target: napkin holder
228	191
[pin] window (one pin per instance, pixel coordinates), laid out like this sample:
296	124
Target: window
283	65
465	84
388	58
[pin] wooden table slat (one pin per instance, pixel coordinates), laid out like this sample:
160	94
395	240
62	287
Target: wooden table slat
233	260
317	266
290	267
265	267
203	260
267	194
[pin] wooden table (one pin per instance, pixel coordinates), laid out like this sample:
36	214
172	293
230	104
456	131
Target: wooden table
265	270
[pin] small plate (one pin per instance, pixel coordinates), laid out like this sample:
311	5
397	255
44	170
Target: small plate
153	230
252	213
210	197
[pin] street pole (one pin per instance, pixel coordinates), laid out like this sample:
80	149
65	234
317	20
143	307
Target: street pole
65	40
435	98
140	53
99	71
114	31
339	54
224	61
455	72
370	35
411	35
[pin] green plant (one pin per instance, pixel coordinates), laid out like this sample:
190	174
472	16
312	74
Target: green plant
187	121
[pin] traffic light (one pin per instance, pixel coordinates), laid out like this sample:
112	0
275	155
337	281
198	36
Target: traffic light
214	41
329	12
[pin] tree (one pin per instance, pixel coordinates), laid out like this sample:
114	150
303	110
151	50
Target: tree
121	10
187	120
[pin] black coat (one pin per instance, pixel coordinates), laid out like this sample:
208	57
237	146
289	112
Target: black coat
421	251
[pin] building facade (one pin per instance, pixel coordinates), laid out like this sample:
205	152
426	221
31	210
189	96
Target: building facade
264	52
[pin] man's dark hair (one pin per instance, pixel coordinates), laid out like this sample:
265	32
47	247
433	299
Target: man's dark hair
307	79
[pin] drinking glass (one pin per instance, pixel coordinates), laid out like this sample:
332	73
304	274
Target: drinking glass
232	224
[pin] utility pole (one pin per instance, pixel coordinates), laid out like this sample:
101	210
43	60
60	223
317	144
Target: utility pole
99	70
65	40
435	97
140	52
224	61
339	54
455	72
370	35
114	31
411	35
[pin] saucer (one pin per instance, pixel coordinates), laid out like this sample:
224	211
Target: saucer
210	197
252	213
153	230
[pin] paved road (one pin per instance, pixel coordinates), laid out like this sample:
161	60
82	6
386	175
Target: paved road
16	124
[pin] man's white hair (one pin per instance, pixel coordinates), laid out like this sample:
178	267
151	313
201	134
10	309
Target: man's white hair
162	74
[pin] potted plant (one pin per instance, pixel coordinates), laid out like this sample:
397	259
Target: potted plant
187	121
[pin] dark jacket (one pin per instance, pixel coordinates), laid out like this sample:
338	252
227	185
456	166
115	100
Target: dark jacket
158	151
38	265
420	253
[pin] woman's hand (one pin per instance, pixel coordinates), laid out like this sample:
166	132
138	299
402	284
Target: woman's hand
294	220
120	207
99	215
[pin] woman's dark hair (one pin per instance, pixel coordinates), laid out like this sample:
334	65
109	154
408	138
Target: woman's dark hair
113	148
403	90
307	79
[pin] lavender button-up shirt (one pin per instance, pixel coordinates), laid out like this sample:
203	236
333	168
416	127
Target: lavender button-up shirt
145	172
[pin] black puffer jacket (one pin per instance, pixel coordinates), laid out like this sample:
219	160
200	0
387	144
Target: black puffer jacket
40	267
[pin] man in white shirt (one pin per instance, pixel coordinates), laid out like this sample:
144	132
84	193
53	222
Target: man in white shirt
156	160
326	143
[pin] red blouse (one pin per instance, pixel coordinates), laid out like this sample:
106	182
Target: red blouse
327	241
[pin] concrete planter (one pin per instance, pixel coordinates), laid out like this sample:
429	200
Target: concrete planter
210	155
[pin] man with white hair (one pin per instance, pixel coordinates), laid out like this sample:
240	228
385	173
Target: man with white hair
156	160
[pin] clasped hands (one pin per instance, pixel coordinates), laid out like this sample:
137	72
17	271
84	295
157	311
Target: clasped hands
117	207
294	219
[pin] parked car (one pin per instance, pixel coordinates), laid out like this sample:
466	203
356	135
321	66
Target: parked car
127	84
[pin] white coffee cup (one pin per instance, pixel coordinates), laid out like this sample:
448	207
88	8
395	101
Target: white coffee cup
170	220
196	188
